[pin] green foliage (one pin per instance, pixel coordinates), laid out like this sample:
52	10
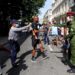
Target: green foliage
73	43
73	50
73	24
16	9
28	7
61	25
32	7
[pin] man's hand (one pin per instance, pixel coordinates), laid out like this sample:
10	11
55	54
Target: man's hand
30	24
36	30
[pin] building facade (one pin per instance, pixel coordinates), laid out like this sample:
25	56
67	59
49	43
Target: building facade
48	16
61	7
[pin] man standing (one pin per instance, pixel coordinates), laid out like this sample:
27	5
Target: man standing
35	39
46	30
13	40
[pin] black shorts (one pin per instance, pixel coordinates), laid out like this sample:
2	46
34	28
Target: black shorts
35	42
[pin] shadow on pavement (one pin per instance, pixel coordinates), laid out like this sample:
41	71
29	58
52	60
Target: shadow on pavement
17	70
72	70
3	56
62	60
21	63
56	51
66	62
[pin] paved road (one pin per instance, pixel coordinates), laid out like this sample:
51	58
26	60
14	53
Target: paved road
51	66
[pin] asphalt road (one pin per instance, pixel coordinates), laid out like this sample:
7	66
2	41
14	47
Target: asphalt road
51	66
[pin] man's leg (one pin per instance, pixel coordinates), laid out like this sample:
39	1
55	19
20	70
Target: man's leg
44	39
13	56
17	47
41	48
69	53
33	54
13	52
34	50
48	40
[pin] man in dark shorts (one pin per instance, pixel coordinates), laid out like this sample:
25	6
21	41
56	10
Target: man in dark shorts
35	39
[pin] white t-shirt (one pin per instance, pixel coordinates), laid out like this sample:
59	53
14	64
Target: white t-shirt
54	30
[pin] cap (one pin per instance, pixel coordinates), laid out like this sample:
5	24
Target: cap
13	21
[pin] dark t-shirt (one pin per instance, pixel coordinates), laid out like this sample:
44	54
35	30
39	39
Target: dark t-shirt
46	29
59	31
35	27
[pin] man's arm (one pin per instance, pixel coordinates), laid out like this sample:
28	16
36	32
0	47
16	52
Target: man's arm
22	28
33	32
39	31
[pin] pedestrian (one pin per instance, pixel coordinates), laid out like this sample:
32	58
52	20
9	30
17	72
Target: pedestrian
69	24
46	31
65	48
2	48
54	31
59	31
13	40
69	20
35	40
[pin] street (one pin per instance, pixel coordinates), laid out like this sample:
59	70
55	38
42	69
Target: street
27	23
51	66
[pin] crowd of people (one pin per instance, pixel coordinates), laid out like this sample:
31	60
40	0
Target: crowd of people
48	29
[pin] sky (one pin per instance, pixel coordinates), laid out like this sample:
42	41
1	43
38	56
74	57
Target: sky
47	6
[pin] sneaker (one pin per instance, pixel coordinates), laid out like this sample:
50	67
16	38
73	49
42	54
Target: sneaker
44	55
33	59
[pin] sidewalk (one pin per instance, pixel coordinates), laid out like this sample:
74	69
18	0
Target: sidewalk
51	66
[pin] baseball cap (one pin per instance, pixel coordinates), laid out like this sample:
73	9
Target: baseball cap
13	21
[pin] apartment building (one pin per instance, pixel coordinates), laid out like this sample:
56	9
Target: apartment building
61	7
48	16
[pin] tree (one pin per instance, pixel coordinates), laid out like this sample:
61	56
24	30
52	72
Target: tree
32	7
12	8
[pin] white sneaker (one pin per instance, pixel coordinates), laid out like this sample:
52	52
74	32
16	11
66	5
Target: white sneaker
50	47
33	60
